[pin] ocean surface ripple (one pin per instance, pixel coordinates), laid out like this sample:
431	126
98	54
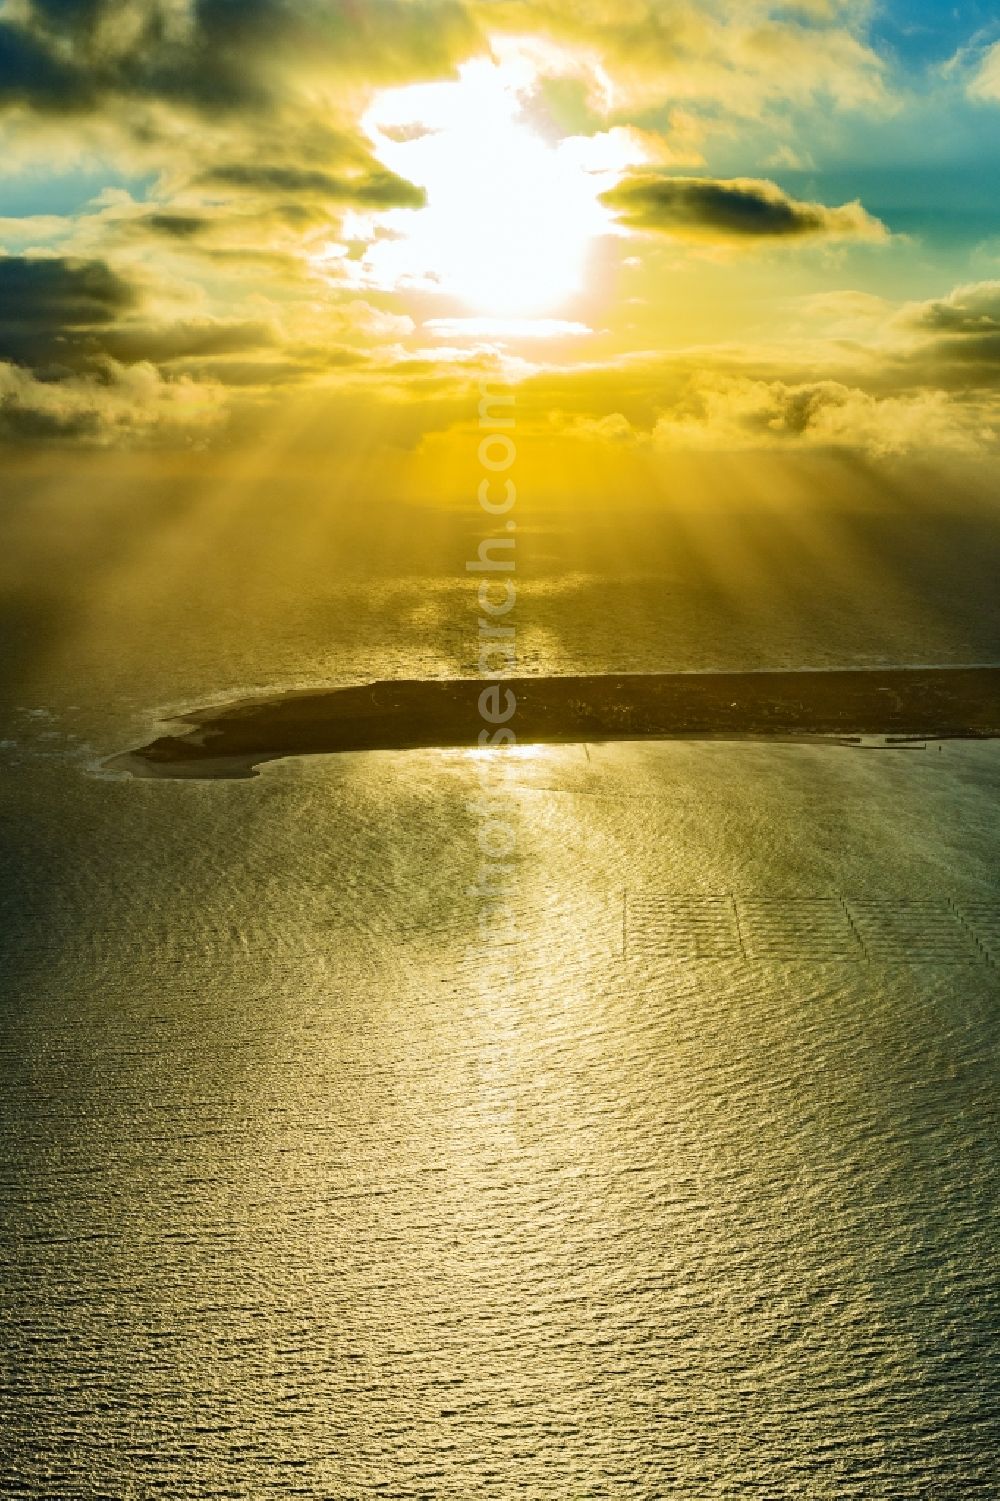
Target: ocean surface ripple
295	1203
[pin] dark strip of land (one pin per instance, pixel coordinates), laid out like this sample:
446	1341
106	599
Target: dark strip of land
233	740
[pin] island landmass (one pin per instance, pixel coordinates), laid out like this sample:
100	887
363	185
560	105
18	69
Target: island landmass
233	740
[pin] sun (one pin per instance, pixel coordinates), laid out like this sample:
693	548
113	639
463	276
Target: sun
510	217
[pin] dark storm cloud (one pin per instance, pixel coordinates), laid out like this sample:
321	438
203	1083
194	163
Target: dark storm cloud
65	58
177	226
31	74
78	367
56	313
963	332
967	311
220	56
63	315
162	343
46	296
376	189
734	209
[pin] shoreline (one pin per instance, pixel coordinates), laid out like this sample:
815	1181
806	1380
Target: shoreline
825	706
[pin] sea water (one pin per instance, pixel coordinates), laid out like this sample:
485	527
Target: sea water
297	1200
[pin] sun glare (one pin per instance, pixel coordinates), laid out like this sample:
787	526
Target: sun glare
510	216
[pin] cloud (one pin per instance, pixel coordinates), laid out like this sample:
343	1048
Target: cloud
739	55
732	209
924	378
378	189
61	292
872	403
121	407
250	227
87	355
61	314
362	319
80	361
54	309
739	412
239	270
968	312
42	228
162	343
176	226
984	84
506	329
686	406
961	334
67	57
845	309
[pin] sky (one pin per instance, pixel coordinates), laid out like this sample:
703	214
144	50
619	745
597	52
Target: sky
679	226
